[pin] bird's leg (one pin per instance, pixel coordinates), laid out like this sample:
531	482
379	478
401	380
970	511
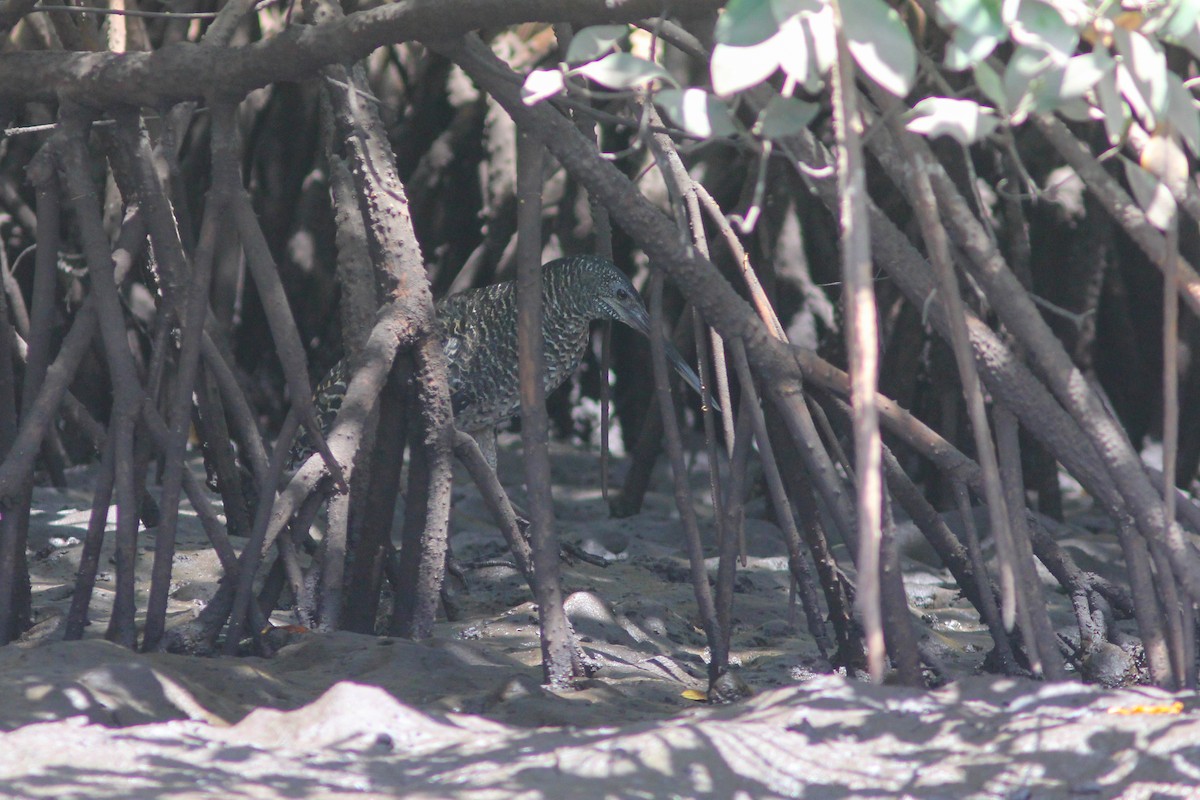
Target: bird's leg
486	439
568	552
450	605
467	448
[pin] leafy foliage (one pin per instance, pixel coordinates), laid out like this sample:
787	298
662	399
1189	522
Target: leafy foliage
1085	60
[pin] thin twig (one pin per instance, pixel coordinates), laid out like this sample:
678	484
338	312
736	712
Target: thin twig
684	190
719	656
1032	610
260	537
923	202
779	501
191	308
127	390
15	594
133	12
535	429
861	344
93	540
13	584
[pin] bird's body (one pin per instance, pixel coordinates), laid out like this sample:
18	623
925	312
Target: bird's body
479	336
478	329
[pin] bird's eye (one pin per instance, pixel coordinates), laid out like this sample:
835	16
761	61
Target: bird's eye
622	294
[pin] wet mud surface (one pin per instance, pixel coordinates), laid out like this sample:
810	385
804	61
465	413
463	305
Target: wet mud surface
342	715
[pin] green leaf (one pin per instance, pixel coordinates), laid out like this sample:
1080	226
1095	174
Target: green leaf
880	44
697	112
735	68
1025	66
990	84
1040	26
1147	67
1182	21
1045	91
1112	108
976	16
622	71
593	42
1152	195
975	28
1083	72
966	50
1163	157
540	84
965	121
795	56
1182	114
1190	41
785	9
746	22
785	116
824	40
1076	109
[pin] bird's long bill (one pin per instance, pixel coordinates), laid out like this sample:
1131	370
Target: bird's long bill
636	317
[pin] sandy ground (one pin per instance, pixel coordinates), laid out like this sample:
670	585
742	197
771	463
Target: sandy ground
462	715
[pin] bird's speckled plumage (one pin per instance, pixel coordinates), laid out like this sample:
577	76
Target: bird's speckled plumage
479	335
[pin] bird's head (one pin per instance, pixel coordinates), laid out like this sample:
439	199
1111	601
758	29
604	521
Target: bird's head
592	287
614	297
611	295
